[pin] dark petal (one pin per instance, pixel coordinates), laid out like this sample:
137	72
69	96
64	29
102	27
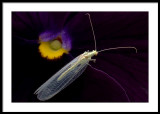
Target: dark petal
131	73
30	25
100	87
117	29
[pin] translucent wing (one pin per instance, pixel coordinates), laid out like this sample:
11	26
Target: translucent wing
62	78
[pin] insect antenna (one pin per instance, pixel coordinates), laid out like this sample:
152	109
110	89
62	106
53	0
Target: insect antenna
92	30
118	48
107	48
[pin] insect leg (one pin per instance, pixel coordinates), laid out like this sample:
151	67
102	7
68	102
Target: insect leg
94	60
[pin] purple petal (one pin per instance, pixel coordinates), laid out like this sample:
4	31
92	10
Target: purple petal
47	36
66	40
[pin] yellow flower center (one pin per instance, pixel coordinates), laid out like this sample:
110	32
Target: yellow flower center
55	44
52	49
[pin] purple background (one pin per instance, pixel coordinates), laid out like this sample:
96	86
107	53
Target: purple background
112	29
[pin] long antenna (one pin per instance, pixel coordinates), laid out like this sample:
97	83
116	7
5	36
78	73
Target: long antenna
92	30
117	48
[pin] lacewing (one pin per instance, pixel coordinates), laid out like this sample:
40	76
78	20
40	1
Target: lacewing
69	72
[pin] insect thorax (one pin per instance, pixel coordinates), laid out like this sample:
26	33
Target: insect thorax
90	54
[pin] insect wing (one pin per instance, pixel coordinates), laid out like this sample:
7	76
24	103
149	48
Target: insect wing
55	84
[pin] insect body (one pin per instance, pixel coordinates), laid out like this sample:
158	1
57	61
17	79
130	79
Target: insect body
65	76
68	73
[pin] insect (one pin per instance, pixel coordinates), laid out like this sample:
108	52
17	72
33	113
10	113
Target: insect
69	72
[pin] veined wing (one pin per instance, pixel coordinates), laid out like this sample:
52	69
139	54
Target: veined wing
62	78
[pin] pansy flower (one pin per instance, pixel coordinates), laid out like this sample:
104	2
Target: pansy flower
117	76
53	46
